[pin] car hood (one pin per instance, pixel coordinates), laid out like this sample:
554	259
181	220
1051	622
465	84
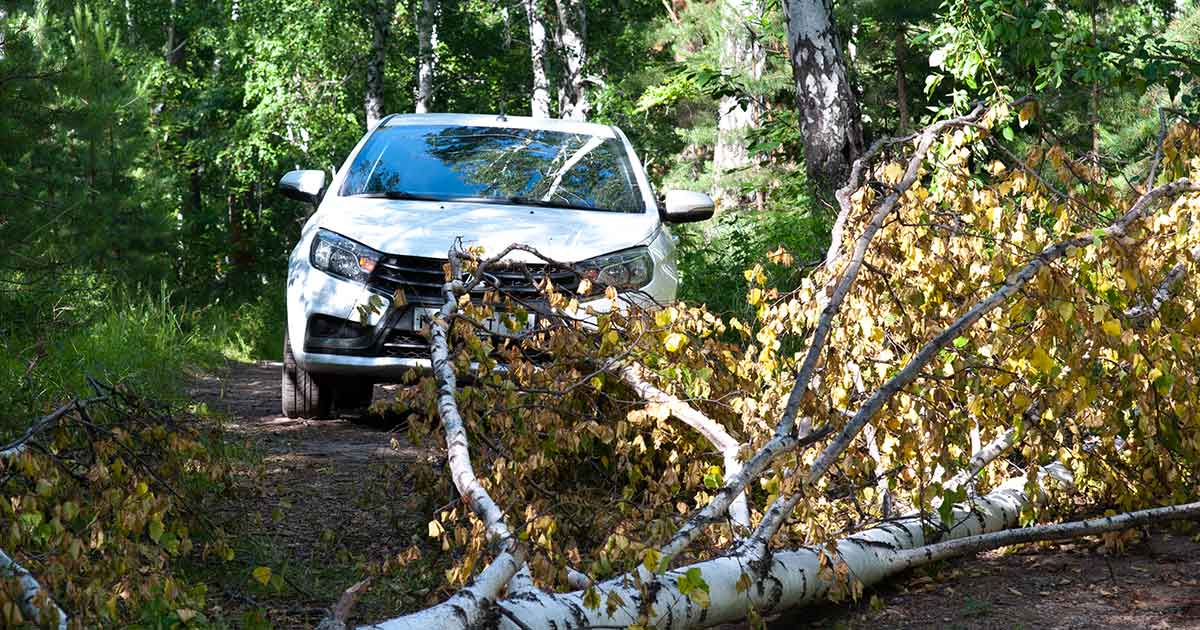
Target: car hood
425	228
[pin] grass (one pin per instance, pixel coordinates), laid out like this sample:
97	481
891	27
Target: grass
147	341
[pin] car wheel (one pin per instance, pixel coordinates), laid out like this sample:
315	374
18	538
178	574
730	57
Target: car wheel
305	395
353	393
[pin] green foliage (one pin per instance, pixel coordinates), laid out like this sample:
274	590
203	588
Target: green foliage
714	257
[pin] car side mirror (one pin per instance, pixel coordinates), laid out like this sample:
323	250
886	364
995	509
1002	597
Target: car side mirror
685	206
303	185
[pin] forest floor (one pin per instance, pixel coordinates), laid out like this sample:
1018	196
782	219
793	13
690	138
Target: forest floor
325	502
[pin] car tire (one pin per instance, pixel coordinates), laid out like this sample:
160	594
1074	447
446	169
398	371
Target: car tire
353	393
304	395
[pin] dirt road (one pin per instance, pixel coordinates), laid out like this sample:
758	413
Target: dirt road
329	501
323	505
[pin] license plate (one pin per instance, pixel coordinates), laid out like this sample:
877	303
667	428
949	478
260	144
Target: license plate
496	323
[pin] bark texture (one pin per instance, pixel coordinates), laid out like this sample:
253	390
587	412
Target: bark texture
380	16
539	97
426	55
787	579
572	37
741	53
901	53
31	592
829	115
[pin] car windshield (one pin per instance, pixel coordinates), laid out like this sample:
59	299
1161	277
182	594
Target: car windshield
495	165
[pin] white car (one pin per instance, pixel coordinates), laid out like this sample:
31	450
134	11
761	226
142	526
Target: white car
368	269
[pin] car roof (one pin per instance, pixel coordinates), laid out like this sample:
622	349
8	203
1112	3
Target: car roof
511	122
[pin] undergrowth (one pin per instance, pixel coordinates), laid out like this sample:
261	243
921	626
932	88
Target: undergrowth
145	340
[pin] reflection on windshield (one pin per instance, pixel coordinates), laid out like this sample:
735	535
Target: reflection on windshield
482	163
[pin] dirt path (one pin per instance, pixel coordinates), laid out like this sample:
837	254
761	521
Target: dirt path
1155	584
330	500
325	504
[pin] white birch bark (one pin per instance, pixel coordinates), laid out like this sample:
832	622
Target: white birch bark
634	376
373	98
539	98
741	54
572	37
426	55
30	591
30	588
829	115
787	579
1055	531
984	456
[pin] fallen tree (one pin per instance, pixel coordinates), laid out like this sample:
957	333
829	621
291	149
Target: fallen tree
936	347
102	488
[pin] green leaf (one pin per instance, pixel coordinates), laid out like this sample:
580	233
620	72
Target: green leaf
713	479
960	342
1008	134
155	530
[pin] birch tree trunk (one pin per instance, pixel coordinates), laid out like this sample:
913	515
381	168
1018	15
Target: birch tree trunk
381	21
539	98
741	52
426	55
572	37
737	583
901	52
829	114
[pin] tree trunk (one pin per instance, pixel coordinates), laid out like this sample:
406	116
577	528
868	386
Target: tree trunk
901	52
736	584
539	98
381	21
426	55
572	37
174	49
741	53
829	114
130	31
1094	105
173	54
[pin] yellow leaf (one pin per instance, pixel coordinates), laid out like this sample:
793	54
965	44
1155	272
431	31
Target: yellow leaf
1041	361
262	575
892	172
1028	110
1112	327
674	342
435	529
185	614
755	296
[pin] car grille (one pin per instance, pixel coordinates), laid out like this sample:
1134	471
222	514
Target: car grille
422	279
406	344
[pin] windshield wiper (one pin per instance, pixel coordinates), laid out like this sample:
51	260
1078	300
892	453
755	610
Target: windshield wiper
545	203
397	194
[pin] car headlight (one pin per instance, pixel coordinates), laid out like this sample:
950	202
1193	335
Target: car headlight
630	269
342	257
